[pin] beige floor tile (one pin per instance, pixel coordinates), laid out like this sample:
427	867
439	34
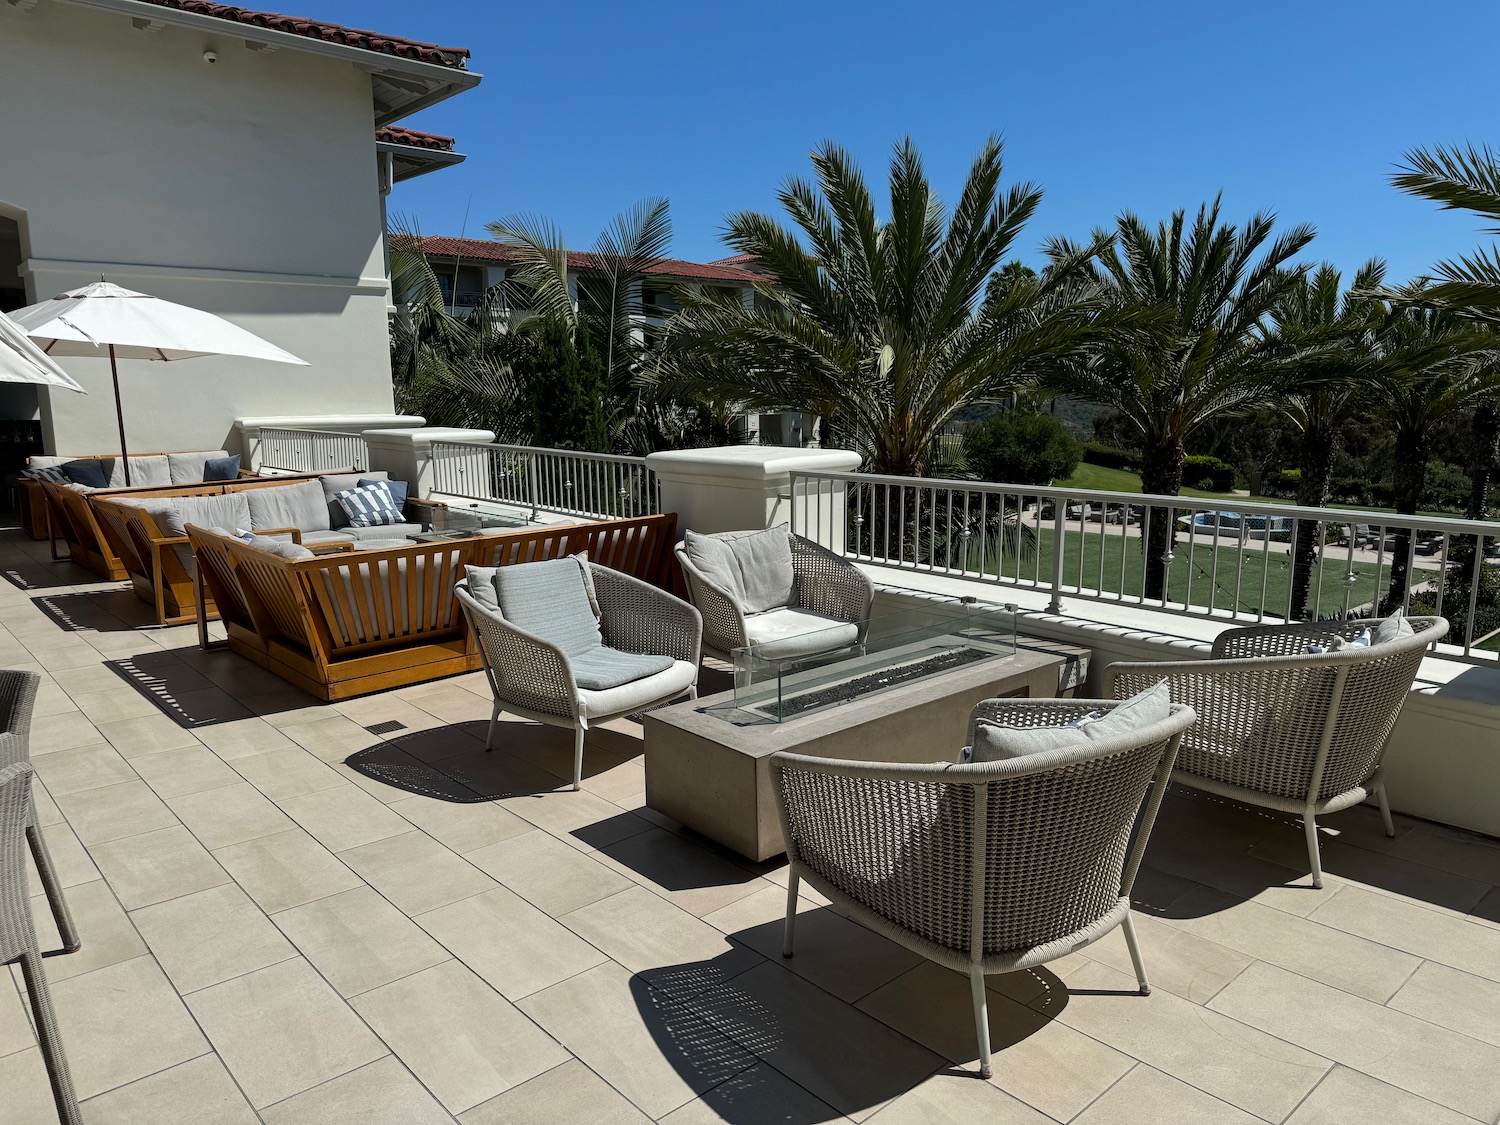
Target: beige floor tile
1435	935
108	936
28	1095
956	1099
115	811
1177	960
668	947
380	1093
1386	872
1043	1062
444	1023
686	874
1419	1057
83	767
1149	1097
157	866
1456	1000
387	707
177	773
394	761
280	774
1349	1096
286	870
1239	873
332	737
123	1022
63	732
148	734
448	703
547	872
845	1057
509	942
285	706
231	815
199	1092
47	812
1325	954
359	941
416	872
761	1093
344	817
15	1023
570	1094
1230	1060
282	1029
834	953
211	936
462	827
1452	850
114	704
652	1051
243	739
580	819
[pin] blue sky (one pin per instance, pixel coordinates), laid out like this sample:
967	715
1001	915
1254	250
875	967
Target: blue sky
1298	108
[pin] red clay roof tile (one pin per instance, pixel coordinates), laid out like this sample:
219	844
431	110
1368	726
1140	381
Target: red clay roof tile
486	250
396	135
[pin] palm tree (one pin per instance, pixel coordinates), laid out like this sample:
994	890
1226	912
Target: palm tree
1460	179
1430	365
1332	329
1213	287
875	321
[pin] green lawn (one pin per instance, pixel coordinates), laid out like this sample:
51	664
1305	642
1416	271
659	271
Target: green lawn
1114	564
1123	480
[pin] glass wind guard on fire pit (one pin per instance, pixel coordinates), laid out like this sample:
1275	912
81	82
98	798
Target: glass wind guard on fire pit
788	677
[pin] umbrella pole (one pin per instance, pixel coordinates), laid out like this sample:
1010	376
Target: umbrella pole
114	373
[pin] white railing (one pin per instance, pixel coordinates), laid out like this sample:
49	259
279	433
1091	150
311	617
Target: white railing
312	451
597	485
1222	559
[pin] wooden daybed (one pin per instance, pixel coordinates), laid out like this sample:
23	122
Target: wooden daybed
362	621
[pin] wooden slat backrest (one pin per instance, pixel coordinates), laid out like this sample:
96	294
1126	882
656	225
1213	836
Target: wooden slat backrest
376	598
212	554
71	515
128	530
272	593
639	547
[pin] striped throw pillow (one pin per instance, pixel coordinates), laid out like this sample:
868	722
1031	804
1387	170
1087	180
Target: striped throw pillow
370	505
52	473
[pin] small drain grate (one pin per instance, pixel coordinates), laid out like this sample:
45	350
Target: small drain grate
386	727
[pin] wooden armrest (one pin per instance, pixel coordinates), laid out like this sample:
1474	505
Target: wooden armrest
294	532
331	548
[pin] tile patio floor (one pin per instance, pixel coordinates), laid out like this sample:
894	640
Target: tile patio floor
270	935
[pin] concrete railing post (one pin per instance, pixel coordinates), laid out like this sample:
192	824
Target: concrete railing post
407	454
746	488
252	455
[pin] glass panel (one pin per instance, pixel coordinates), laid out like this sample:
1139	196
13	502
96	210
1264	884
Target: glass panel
807	672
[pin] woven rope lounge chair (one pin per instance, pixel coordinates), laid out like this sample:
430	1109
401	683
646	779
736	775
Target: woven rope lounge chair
538	680
987	868
1286	729
18	936
826	591
17	700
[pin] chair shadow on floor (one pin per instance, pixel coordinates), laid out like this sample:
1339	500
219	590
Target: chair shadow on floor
178	691
103	611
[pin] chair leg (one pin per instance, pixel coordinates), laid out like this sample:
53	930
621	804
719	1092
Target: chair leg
1135	955
50	1040
489	738
1385	809
1310	824
790	931
981	1020
578	732
60	913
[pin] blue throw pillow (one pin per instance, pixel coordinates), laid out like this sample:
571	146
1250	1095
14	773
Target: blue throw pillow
398	490
371	505
222	468
89	471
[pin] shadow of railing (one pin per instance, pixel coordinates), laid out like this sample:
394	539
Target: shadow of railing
179	692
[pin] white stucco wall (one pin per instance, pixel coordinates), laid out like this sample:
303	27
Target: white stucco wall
246	187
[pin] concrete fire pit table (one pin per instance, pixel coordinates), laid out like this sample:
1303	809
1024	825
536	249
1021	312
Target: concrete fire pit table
707	765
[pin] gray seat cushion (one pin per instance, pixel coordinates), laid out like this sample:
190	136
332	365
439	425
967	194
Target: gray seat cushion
753	567
327	536
383	531
783	633
622	700
334	483
299	505
553	600
993	742
602	668
281	548
187	468
228	510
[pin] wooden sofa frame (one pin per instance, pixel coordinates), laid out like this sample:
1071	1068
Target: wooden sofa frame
75	517
356	622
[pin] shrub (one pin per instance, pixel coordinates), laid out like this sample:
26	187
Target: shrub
1021	448
1284	483
1207	473
1109	457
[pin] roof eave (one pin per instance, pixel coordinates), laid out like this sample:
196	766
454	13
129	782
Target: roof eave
419	160
438	83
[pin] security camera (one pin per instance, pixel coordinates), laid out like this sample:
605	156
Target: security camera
210	57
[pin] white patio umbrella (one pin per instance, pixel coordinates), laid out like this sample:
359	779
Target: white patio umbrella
104	319
21	361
